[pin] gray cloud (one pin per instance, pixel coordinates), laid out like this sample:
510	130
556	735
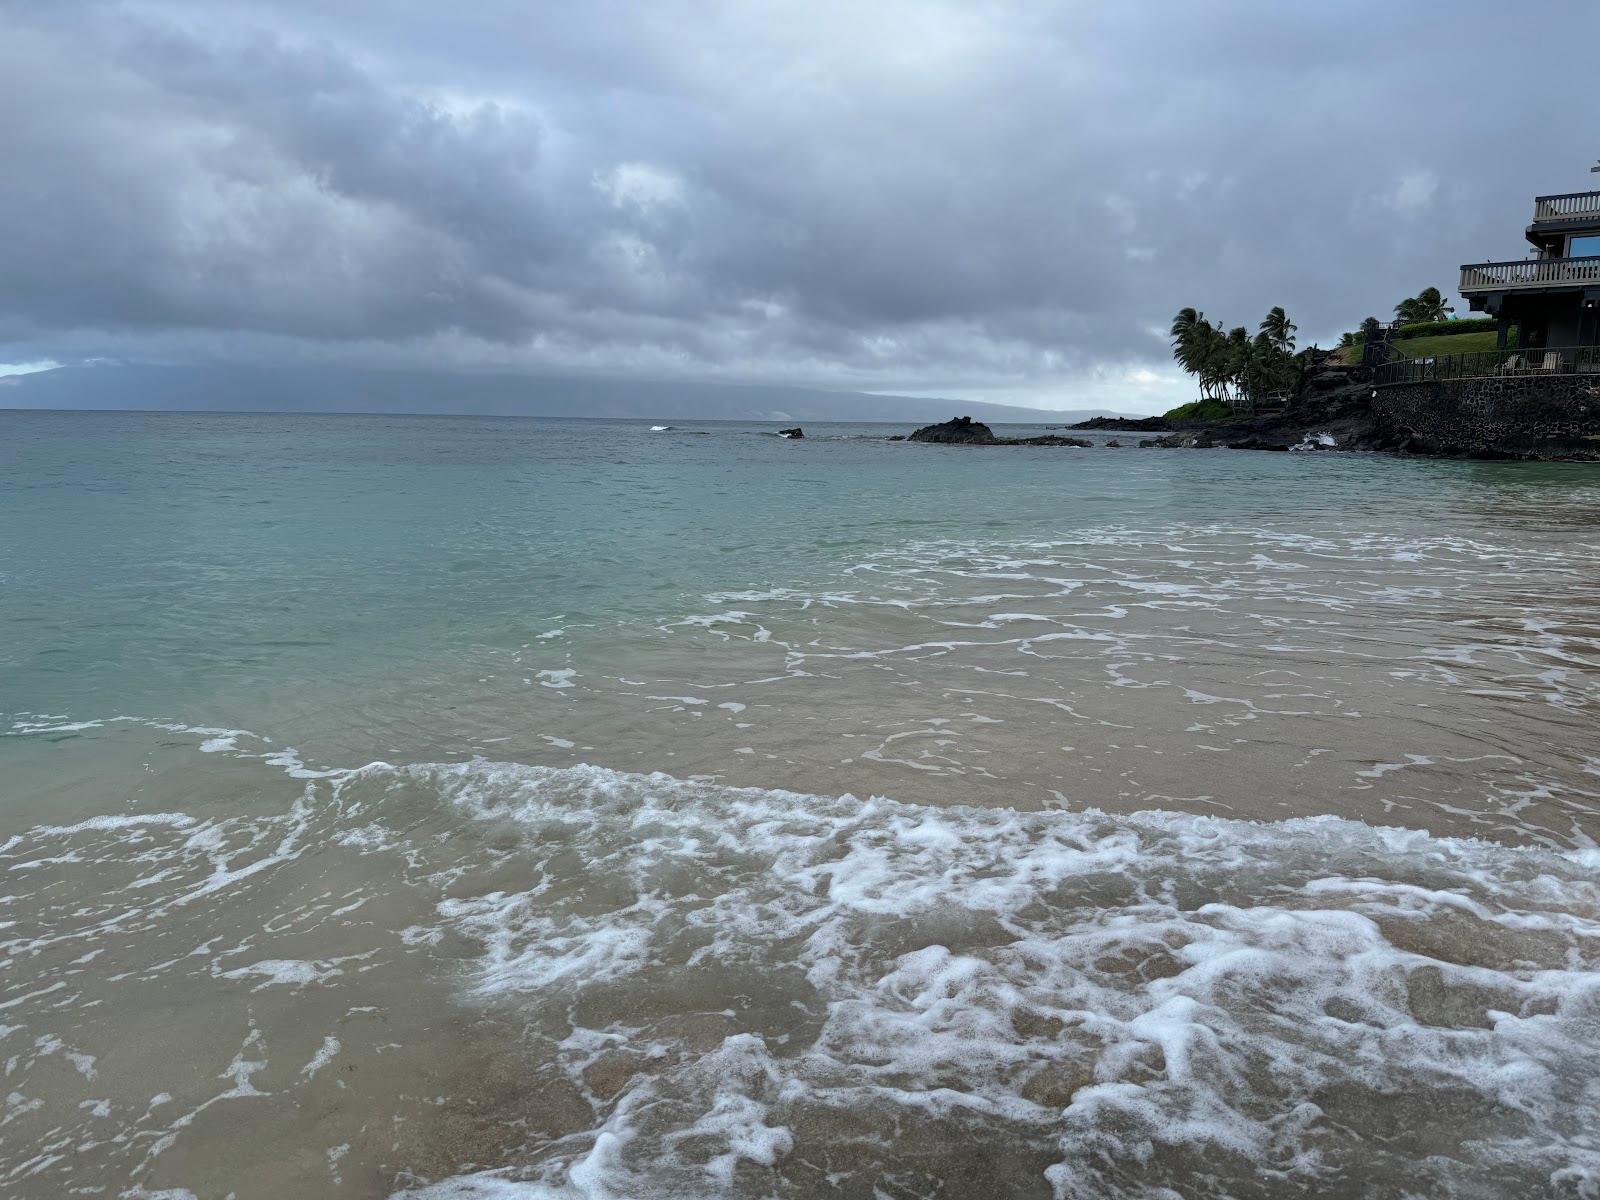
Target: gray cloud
1004	200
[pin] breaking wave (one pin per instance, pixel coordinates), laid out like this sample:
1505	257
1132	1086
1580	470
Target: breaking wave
753	992
1104	1004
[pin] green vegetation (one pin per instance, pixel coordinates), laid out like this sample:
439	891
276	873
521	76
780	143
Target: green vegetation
1433	328
1424	329
1430	347
1231	364
1426	305
1473	340
1351	344
1199	410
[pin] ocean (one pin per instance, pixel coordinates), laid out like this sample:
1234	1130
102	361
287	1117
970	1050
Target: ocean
499	808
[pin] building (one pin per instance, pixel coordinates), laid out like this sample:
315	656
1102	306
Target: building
1538	398
1552	299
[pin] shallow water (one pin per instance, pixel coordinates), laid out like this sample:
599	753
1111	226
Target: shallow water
523	808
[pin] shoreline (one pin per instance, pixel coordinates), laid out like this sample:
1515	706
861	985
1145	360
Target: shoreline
1525	419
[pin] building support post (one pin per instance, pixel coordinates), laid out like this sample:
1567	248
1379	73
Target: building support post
1501	328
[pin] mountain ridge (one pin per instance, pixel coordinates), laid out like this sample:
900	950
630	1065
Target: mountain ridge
398	392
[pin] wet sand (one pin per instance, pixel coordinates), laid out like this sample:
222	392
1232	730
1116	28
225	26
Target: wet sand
1075	868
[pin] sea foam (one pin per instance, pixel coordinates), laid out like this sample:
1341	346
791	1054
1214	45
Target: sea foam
755	992
1124	1002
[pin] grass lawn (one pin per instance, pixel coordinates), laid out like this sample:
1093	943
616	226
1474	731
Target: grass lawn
1427	347
1457	343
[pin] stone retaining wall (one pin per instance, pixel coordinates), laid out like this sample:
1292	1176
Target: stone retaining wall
1552	416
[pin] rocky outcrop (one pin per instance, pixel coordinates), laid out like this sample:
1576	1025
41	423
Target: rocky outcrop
964	431
1125	424
796	432
1325	373
1338	408
1256	443
1334	402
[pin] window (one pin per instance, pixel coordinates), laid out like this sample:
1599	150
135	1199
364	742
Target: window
1587	246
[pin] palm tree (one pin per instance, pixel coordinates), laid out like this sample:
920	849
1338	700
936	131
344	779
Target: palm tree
1194	345
1215	362
1230	363
1426	305
1211	359
1432	306
1185	338
1279	330
1238	358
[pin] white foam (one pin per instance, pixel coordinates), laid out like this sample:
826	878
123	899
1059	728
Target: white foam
285	972
25	726
1192	991
326	1053
1189	980
111	822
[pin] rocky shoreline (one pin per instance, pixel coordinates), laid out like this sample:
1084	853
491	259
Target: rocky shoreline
1337	408
1125	424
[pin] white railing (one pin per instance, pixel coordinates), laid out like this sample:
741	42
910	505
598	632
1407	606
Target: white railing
1564	208
1529	273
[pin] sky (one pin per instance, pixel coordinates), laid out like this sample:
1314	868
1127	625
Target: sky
986	200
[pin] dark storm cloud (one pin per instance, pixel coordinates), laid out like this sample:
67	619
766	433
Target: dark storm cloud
1004	199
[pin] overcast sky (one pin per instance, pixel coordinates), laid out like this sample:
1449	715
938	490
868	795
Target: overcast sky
986	200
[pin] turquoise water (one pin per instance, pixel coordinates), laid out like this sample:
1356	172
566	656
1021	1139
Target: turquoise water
190	563
476	807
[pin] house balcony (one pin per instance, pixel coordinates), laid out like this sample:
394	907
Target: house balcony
1556	219
1530	275
1566	209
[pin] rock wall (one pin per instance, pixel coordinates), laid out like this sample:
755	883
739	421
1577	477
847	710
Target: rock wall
1525	416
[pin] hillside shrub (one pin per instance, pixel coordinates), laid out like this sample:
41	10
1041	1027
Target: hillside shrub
1445	328
1209	409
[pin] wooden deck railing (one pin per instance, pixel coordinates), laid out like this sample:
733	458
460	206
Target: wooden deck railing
1565	207
1539	360
1529	273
